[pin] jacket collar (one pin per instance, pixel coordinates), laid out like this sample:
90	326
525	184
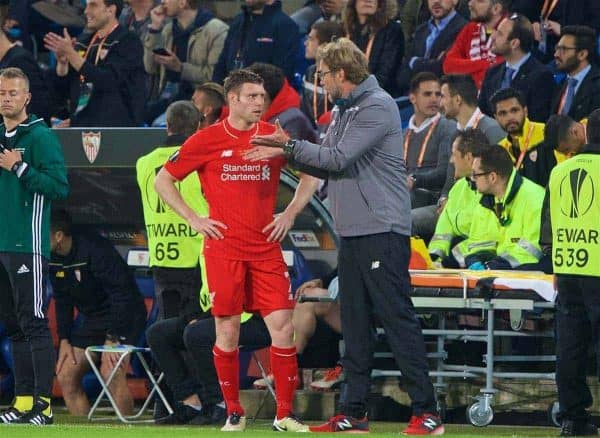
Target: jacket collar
370	84
514	184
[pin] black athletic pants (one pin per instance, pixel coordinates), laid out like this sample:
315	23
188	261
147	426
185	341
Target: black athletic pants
169	338
577	326
23	303
374	282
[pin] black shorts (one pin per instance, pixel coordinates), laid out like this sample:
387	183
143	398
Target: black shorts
92	331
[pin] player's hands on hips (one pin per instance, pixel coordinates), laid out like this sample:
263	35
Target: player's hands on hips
65	353
207	227
280	226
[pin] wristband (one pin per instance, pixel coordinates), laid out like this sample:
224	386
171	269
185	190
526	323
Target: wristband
288	147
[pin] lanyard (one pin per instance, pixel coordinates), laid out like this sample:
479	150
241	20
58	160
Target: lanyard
423	145
89	47
369	47
315	100
525	147
547	9
563	98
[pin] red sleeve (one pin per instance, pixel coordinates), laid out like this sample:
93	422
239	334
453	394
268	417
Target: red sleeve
189	158
457	59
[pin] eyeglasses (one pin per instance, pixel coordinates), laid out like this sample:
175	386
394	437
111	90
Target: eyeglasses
474	176
563	49
322	74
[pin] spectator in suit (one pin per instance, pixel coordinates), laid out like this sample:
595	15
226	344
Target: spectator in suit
574	54
552	16
459	102
102	73
371	25
262	32
282	103
513	40
193	42
430	42
471	52
413	13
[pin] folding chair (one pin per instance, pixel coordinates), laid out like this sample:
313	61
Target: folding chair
124	351
270	389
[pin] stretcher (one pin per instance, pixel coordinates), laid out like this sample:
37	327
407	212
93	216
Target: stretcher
443	291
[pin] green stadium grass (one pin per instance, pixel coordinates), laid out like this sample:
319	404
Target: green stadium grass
67	427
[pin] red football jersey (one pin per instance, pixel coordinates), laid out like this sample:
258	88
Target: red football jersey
240	193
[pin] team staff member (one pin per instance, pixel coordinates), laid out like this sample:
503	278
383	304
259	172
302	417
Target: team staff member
454	223
362	153
570	222
173	245
32	173
244	264
505	230
87	273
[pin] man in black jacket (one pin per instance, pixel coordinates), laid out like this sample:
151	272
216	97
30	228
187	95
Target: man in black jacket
262	32
574	54
102	74
514	40
430	42
87	273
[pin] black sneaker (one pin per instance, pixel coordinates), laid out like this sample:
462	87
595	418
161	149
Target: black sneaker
578	428
210	414
10	415
36	416
182	414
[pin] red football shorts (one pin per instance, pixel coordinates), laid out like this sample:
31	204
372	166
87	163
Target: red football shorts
253	286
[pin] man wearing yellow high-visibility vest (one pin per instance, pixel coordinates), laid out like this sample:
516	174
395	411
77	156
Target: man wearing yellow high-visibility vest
571	222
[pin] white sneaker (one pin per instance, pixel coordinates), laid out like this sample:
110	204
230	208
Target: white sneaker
330	379
234	423
291	423
262	383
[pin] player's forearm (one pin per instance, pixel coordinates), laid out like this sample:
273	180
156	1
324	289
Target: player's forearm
165	187
306	188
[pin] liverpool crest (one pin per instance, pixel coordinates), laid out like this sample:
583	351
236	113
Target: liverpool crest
91	144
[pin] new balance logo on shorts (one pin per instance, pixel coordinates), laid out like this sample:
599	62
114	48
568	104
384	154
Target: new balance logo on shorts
23	270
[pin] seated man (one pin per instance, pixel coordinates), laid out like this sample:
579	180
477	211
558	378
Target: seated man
427	141
305	318
88	274
455	220
510	111
505	228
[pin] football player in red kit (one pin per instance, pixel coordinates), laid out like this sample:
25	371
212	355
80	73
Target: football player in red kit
244	263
